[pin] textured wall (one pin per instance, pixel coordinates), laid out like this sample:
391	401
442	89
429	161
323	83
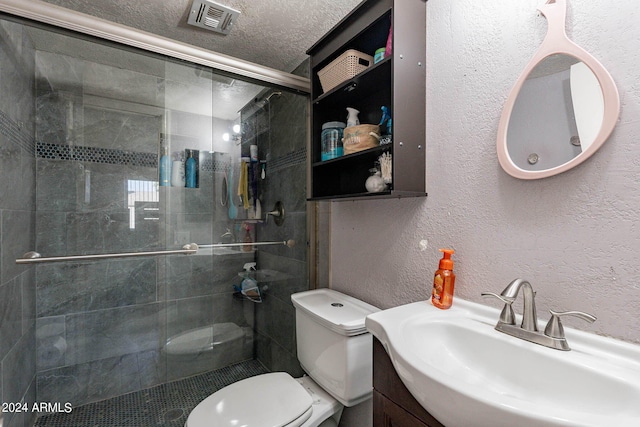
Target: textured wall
575	236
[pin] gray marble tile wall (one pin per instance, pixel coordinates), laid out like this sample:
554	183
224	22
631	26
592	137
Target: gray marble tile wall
17	223
86	331
280	131
102	326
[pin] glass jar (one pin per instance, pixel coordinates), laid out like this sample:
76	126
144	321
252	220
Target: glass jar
332	133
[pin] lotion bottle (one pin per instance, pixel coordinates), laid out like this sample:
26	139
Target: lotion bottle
444	281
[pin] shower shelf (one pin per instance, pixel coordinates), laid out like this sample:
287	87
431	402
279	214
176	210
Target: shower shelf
266	275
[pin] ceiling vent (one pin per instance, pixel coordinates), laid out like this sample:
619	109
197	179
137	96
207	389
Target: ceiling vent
212	16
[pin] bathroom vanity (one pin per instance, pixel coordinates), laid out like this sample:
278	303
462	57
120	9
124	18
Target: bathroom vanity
396	82
393	405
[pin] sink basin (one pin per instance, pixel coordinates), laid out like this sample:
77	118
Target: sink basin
465	373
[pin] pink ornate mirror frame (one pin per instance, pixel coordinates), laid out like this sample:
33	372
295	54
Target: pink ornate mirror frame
556	42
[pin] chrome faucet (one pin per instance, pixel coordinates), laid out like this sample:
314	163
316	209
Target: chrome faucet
529	316
553	335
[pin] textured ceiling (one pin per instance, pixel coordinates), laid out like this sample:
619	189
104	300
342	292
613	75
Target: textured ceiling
272	33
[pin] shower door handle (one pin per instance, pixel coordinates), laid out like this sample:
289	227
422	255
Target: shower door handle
35	258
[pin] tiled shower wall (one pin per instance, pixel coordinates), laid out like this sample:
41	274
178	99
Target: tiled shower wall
84	331
280	131
17	220
102	325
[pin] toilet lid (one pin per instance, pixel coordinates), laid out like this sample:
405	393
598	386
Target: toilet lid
269	400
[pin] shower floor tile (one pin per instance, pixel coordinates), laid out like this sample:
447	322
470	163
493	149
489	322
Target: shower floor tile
166	405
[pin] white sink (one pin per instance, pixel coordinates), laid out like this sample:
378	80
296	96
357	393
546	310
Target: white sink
466	374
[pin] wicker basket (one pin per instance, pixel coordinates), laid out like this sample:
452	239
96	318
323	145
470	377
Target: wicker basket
343	68
360	137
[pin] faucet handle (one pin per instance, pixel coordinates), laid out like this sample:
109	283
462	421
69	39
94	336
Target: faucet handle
554	327
506	316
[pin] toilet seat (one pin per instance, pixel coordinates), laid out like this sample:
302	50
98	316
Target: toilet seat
268	400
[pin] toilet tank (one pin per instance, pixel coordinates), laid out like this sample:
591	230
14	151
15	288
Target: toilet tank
334	347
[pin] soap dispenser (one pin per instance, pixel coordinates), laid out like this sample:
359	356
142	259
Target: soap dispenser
443	281
352	117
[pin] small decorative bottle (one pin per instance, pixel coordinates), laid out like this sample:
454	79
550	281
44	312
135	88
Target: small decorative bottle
247	238
375	183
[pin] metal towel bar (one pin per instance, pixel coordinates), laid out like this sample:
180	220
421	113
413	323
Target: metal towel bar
191	248
35	257
290	243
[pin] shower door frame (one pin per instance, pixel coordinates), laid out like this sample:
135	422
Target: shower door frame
86	24
68	19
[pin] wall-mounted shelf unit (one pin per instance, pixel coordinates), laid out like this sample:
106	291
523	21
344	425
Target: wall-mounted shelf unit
397	82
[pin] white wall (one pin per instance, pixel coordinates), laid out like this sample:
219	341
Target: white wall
575	236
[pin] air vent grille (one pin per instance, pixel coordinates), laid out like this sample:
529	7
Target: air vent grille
212	16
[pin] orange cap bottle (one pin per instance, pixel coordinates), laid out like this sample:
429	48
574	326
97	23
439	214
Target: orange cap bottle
444	281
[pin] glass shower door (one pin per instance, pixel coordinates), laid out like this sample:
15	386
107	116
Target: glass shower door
105	118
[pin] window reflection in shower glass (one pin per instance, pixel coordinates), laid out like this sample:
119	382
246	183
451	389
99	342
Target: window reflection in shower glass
142	200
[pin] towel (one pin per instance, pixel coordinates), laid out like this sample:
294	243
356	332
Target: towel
243	185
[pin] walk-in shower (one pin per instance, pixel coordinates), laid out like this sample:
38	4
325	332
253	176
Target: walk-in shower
84	125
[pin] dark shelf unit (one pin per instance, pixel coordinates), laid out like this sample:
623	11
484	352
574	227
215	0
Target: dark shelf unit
397	82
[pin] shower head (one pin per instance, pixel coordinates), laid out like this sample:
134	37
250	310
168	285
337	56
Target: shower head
264	101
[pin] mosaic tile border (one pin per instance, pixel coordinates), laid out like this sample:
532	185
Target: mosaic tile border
113	156
132	158
13	131
96	155
291	159
166	405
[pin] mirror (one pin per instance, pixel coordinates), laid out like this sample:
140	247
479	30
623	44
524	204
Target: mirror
562	108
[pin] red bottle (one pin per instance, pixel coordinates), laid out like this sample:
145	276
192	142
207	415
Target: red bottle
444	281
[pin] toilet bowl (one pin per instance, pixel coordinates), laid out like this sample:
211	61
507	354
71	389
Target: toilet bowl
274	399
334	348
203	339
203	349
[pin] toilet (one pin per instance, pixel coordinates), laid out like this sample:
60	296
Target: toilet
334	349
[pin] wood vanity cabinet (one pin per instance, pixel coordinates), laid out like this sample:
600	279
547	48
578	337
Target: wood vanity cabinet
393	405
397	82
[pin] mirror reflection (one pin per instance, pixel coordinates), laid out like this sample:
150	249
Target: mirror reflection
557	114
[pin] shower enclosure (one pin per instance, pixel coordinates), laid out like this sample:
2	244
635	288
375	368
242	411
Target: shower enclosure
84	126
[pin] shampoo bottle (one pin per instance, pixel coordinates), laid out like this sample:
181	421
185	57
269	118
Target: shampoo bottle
190	171
165	168
443	281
